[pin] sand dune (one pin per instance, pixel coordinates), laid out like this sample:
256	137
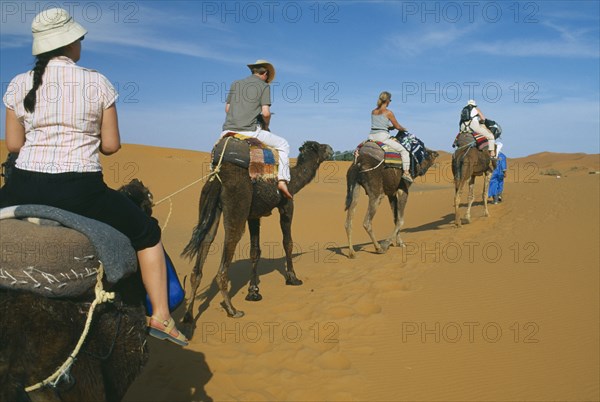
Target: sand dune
505	308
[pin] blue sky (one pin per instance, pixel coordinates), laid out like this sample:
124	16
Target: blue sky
533	66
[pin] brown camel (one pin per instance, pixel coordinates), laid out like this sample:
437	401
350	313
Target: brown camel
467	163
240	201
379	181
37	334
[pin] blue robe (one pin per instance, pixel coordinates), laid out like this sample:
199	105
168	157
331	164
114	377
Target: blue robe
497	179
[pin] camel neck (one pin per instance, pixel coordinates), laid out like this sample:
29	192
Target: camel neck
303	173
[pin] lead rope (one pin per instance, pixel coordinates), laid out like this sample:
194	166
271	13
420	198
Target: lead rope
101	297
214	173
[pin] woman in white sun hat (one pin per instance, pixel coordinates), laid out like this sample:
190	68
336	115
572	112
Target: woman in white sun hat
476	123
59	118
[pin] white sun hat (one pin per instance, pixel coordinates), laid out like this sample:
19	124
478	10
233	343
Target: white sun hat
53	29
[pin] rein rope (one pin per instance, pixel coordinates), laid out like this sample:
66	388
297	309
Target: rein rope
373	168
102	296
212	175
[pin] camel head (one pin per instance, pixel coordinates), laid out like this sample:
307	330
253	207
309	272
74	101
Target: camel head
310	149
428	161
139	194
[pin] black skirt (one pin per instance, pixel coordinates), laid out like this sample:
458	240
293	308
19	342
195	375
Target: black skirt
85	194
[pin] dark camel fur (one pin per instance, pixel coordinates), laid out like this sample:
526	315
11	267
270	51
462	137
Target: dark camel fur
378	181
37	334
469	162
240	201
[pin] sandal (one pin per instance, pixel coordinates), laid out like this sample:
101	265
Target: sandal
169	324
407	178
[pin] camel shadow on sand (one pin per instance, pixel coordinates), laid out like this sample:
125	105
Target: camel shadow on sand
171	374
239	275
441	223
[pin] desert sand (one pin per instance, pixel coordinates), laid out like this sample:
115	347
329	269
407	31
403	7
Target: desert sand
504	308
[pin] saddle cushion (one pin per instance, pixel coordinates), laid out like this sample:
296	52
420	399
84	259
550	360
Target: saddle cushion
465	138
249	153
59	255
380	151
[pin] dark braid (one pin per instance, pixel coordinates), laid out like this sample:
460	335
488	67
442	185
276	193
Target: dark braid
38	71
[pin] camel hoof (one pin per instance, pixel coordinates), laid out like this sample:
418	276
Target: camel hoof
236	314
187	318
293	282
187	329
383	246
352	256
254	297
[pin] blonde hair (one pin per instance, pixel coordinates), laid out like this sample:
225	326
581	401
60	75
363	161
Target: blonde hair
383	98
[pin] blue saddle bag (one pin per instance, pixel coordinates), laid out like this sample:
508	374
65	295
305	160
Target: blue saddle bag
175	292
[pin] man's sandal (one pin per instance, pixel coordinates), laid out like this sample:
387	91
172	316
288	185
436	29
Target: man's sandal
169	324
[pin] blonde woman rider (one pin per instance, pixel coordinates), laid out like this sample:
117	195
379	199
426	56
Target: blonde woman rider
382	120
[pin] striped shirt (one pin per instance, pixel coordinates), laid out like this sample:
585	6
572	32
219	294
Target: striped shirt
63	132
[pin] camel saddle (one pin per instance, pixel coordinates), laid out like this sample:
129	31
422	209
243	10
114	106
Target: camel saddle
56	253
249	153
465	138
380	152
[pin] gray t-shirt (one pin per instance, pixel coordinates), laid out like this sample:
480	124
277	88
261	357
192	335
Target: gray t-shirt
246	98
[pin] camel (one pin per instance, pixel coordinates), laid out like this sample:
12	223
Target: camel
238	200
467	163
38	334
379	181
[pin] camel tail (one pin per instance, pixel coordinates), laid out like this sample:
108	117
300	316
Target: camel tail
351	182
208	210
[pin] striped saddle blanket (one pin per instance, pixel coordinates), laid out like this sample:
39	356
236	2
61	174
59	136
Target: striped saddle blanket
247	152
380	151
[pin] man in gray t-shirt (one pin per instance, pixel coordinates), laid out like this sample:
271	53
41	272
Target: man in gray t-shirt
248	112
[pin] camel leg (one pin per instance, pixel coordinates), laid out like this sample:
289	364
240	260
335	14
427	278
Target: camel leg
486	183
398	203
235	214
196	276
286	213
458	184
349	217
253	291
374	201
470	199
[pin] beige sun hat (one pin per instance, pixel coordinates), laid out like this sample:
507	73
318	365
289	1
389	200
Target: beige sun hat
267	65
471	102
53	29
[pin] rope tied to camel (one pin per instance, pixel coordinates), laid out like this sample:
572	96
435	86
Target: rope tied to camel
212	175
373	168
217	169
101	296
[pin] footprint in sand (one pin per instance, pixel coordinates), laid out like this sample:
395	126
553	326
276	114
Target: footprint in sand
333	361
